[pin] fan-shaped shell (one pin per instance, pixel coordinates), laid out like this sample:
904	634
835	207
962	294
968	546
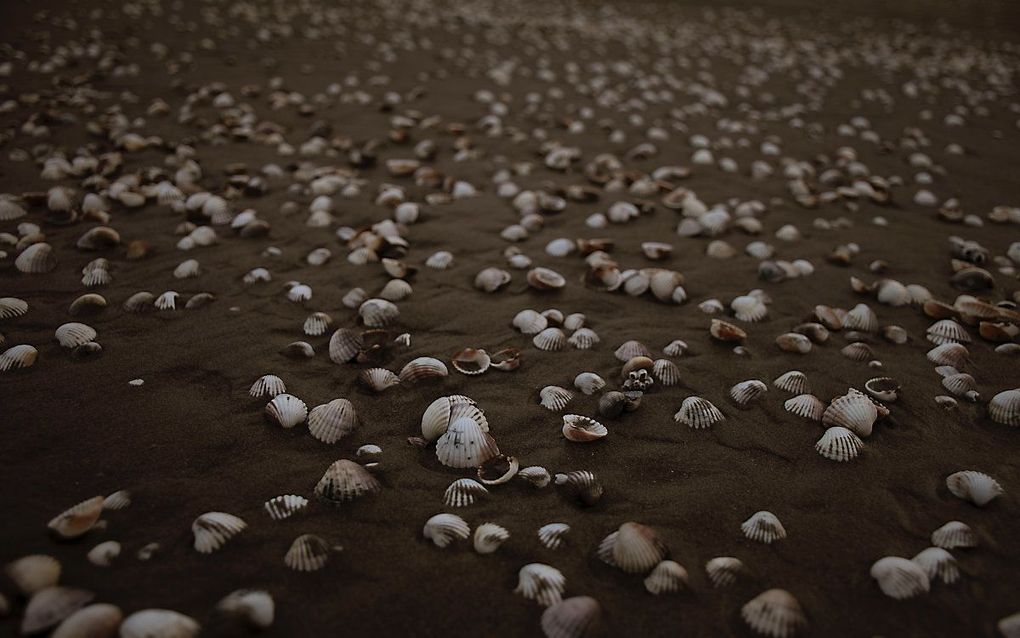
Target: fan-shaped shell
268	385
344	345
465	444
316	324
536	475
213	529
584	484
308	553
378	379
949	354
162	623
378	313
634	548
285	506
286	410
36	259
853	411
437	417
166	301
749	308
745	392
491	279
976	487
463	492
763	527
555	398
345	481
139	302
794	382
51	605
698	413
900	578
541	583
571	618
443	529
94	621
33	573
79	519
488	537
11	307
20	356
839	444
774	613
255	608
584	339
1004	407
589	383
947	331
530	322
861	317
668	576
666	372
332	421
630	349
551	340
939	564
722	571
954	534
553	535
961	384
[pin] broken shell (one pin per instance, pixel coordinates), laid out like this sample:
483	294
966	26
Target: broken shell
498	470
443	529
553	535
900	578
722	571
308	553
281	507
286	410
488	537
976	487
775	613
332	421
77	520
581	429
839	444
345	481
463	492
763	527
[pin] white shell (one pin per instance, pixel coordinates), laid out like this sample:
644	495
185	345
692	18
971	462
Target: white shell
794	382
722	571
440	260
698	413
378	313
286	410
268	384
634	548
939	564
954	534
463	492
51	605
584	338
666	372
437	417
443	529
551	340
423	368
465	444
158	623
488	537
555	398
900	578
530	322
839	444
213	529
308	553
589	383
20	356
541	583
103	554
72	335
316	324
763	527
668	576
285	506
332	421
570	618
552	535
976	487
79	519
33	573
745	392
1004	407
775	613
805	405
536	475
345	481
853	411
94	621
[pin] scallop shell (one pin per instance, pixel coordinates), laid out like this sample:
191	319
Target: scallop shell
267	385
584	339
976	487
954	534
379	379
285	506
443	529
463	492
949	354
763	527
530	322
158	622
213	529
722	571
839	444
634	548
900	578
103	554
255	608
962	385
72	335
1004	407
166	301
77	520
536	475
15	357
675	348
939	564
36	259
33	573
584	484
344	345
345	481
541	583
488	537
471	361
308	553
465	444
286	410
666	372
571	618
668	576
553	535
94	621
51	605
551	340
853	411
775	613
794	382
11	307
698	413
746	392
437	417
332	421
581	429
555	398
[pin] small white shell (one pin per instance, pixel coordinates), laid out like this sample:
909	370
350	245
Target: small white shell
584	339
666	372
308	553
900	578
72	335
268	384
213	529
954	534
488	537
555	398
1004	407
551	340
634	548
839	444
103	554
443	529
774	613
541	583
286	410
745	392
589	383
763	527
423	368
553	535
698	413
722	571
938	563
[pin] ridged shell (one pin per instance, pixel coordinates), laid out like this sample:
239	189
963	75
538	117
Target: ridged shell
858	352
763	527
746	392
853	411
488	537
589	383
345	481
530	322
378	313
285	506
158	623
378	379
584	484
584	339
536	475
36	259
166	301
630	349
267	385
437	417
939	564
954	534
861	317
900	578
839	444
213	529
465	444
555	398
308	553
722	571
551	340
794	382
471	361
20	356
634	548
33	573
11	307
1004	407
541	583
947	331
79	519
344	345
553	535
443	529
94	621
774	613
571	618
423	368
961	384
51	605
463	492
668	576
440	260
332	421
949	354
698	413
286	410
316	324
749	308
976	487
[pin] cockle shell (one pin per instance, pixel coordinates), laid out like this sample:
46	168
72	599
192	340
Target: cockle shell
139	302
77	520
286	410
794	382
861	317
437	417
88	303
94	621
584	484
749	308
774	613
465	444
11	307
443	529
491	279
746	392
634	548
213	529
949	354
858	352
344	345
962	385
166	301
839	444
285	506
541	583
763	527
345	481
900	578
530	322
584	339
722	571
33	573
463	492
667	372
555	398
675	348
853	411
36	259
267	385
551	339
976	487
553	535
582	429
630	349
20	356
422	368
163	623
536	475
1004	407
947	331
254	607
939	564
698	413
954	534
589	383
72	335
316	324
545	279
308	553
571	618
332	421
378	313
668	576
378	379
51	605
488	537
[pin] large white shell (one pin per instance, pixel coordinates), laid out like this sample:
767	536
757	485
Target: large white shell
839	444
443	529
213	529
668	576
634	548
345	481
437	417
763	527
308	553
286	410
541	583
158	623
698	413
775	613
332	421
72	335
900	578
285	506
976	487
465	444
853	411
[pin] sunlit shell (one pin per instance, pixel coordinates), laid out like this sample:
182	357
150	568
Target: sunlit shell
285	506
308	553
774	613
584	339
36	259
345	481
213	529
541	583
949	354
94	621
419	369
11	307
698	413
443	529
378	313
465	444
555	398
722	571
463	492
853	411
954	534
581	429
794	382
536	475
976	487
551	340
938	564
1004	407
668	576
488	537
437	417
378	379
900	578
491	279
553	535
286	410
471	361
584	484
20	356
332	421
530	322
103	554
746	392
571	618
634	548
254	608
77	520
839	444
33	573
51	605
267	385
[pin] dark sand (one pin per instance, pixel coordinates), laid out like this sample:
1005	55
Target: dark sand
191	440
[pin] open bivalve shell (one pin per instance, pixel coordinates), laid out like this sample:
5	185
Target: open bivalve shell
581	429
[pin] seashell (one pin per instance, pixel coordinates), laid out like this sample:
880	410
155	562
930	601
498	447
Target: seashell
746	392
1009	626
498	470
89	302
49	606
440	260
962	385
419	369
775	613
1011	349
667	372
698	413
285	506
1004	407
749	308
839	444
33	573
571	618
976	487
900	578
11	307
637	364
10	209
36	259
655	250
298	350
634	548
437	417
368	454
443	529
793	342
77	520
103	554
395	290
937	563
465	444
139	302
379	379
584	484
816	332
711	307
545	279
763	527
491	279
378	313
722	571
667	577
555	398
589	383
15	357
166	301
204	298
553	535
316	324
345	481
148	551
581	429
574	321
354	298
163	623
805	405
344	345
883	388
213	529
267	385
551	340
286	410
255	608
94	621
794	382
308	553
947	331
954	534
858	352
463	492
630	349
541	583
471	362
583	339
537	476
488	537
831	318
949	354
332	421
726	332
530	322
853	411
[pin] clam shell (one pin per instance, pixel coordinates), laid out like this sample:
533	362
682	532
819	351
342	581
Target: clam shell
551	340
949	354
77	520
581	429
853	411
437	417
976	487
530	322
775	613
793	342
255	608
298	350
267	385
571	618
584	484
1009	626
344	345
422	368
954	534
667	372
553	535
471	361
746	392
839	444
536	475
20	356
163	623
285	506
139	302
89	302
726	332
749	308
545	279
634	548
947	331
794	382
379	379
584	339
463	492
378	313
541	583
316	324
831	318
900	578
332	421
465	444
555	398
763	527
36	259
667	577
443	529
630	349
488	537
1004	407
213	529
939	564
308	553
345	481
722	571
286	410
491	279
589	383
94	621
698	413
33	573
51	605
962	385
